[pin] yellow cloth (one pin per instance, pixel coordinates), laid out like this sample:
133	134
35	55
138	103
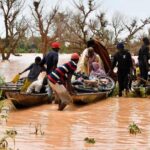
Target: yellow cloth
26	85
16	78
137	71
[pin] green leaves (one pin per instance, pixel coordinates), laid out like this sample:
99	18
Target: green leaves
2	80
134	129
11	133
90	140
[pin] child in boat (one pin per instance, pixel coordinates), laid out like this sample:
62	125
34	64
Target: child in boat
35	70
97	70
36	86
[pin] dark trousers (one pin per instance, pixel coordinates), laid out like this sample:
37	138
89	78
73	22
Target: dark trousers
143	72
123	81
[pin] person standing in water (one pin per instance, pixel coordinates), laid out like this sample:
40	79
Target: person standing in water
143	58
51	59
123	61
60	81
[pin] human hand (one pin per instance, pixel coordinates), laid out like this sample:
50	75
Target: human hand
72	92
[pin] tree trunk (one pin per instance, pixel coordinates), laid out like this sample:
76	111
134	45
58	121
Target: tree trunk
5	56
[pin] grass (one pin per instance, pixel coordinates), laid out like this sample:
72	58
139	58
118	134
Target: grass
134	129
2	80
4	144
38	129
140	92
90	140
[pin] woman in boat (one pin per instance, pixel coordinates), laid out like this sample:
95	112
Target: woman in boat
35	70
90	57
60	81
97	70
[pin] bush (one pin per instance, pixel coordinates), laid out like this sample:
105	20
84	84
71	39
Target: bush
2	80
115	91
139	92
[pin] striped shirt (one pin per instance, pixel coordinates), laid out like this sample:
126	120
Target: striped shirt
60	74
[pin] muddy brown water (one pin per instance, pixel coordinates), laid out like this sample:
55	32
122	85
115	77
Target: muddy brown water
106	121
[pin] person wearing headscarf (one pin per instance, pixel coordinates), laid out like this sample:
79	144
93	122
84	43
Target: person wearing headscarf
89	57
97	70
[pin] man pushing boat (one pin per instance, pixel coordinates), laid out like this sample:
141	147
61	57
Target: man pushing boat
60	81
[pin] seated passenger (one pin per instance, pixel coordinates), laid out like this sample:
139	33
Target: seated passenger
97	70
36	86
85	63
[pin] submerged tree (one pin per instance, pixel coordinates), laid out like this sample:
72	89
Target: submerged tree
14	29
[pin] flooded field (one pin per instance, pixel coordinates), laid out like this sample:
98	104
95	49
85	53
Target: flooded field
106	121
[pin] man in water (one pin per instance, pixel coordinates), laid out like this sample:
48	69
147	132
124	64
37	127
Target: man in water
143	58
123	61
51	59
60	81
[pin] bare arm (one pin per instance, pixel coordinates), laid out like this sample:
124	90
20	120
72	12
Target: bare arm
29	68
68	84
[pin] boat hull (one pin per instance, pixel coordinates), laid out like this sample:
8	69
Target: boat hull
10	87
23	100
85	98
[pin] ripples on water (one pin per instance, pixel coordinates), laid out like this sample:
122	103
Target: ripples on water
106	121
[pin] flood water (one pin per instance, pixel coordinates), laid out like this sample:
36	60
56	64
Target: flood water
106	121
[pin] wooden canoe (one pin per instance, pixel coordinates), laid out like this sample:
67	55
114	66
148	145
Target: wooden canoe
23	100
84	98
10	87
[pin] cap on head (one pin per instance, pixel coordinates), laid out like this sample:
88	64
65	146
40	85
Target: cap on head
75	56
55	45
120	45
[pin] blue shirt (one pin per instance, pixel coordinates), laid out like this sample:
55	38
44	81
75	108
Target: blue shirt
51	60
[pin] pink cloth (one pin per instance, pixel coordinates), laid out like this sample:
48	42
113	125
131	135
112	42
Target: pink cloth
97	70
